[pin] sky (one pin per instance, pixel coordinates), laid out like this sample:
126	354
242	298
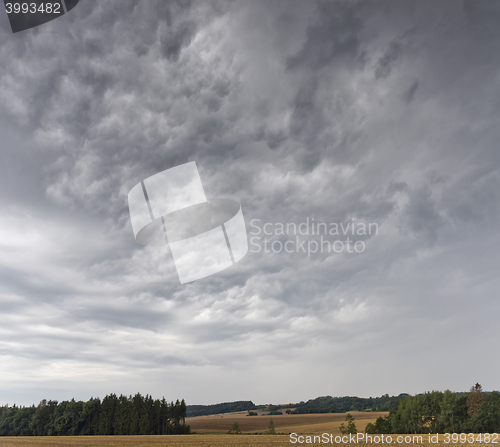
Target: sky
336	112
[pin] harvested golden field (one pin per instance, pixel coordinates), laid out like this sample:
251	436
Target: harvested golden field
305	425
216	440
146	441
297	423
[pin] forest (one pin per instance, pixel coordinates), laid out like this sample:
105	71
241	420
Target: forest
431	412
137	415
438	412
328	404
226	407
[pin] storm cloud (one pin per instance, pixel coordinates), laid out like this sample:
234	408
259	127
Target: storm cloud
334	111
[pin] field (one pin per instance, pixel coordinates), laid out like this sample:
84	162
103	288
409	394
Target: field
206	440
286	423
211	431
146	441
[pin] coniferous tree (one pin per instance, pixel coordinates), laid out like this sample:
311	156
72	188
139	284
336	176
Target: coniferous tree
107	415
487	418
164	416
136	410
122	416
90	416
270	428
474	399
146	417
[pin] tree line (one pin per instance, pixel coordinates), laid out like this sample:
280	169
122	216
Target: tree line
329	404
438	412
137	415
226	407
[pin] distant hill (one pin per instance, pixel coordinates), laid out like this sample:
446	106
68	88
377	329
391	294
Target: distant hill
344	404
327	404
226	407
323	404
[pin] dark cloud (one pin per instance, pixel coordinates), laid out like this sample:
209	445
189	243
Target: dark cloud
410	93
385	63
172	40
305	113
339	111
421	215
333	34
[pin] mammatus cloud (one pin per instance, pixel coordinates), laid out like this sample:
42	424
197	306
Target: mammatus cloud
342	112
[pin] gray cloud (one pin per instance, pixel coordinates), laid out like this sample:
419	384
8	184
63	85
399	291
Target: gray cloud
333	34
384	65
343	112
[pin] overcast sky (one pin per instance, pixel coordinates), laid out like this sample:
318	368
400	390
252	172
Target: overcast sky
339	111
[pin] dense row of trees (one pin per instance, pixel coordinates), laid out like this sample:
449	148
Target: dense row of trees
448	412
226	407
113	415
327	404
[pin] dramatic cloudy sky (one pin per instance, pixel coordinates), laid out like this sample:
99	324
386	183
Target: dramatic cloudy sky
343	111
